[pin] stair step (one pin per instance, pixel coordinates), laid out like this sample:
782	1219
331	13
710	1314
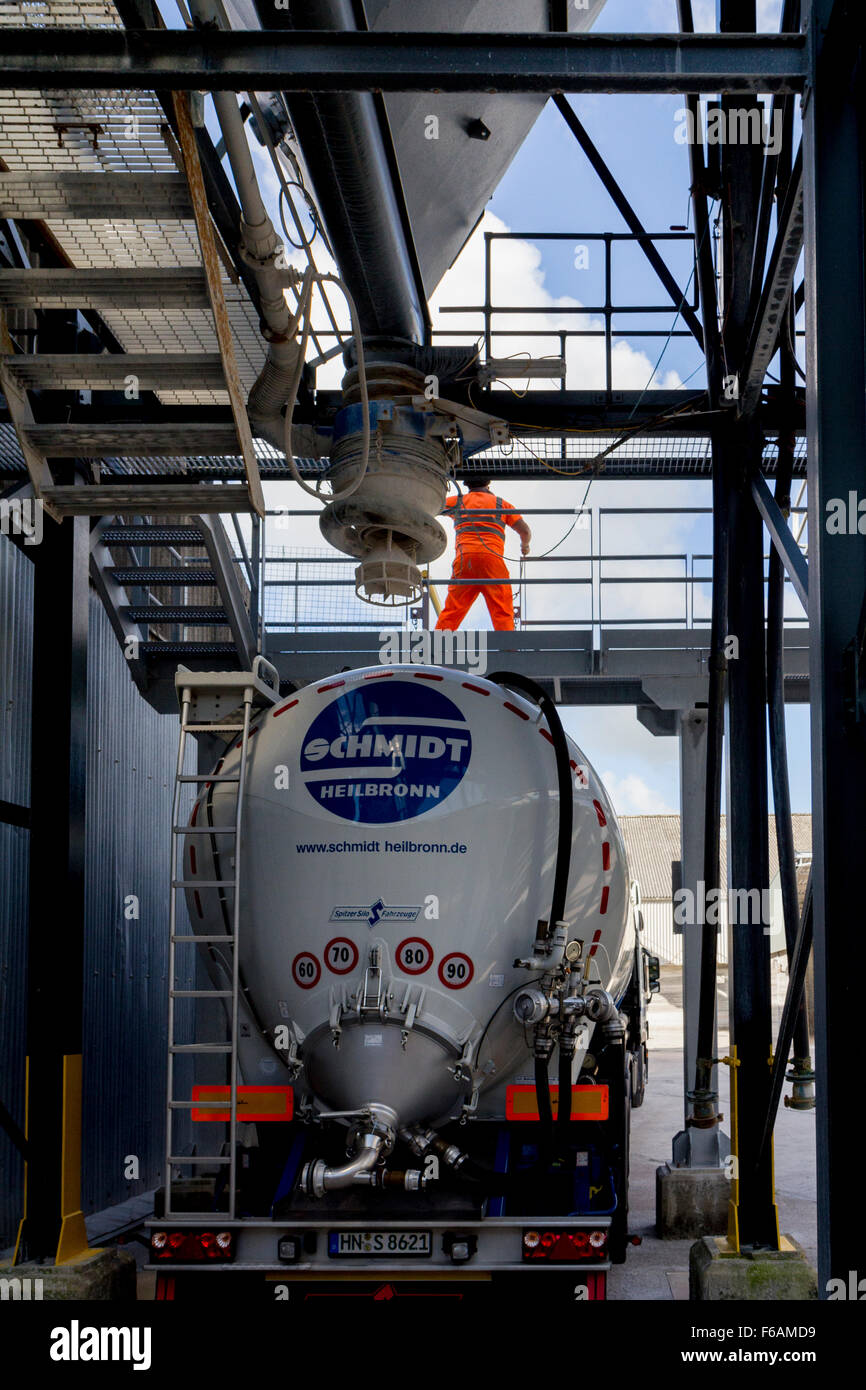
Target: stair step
160	574
152	535
203	777
204	829
200	993
178	613
182	498
182	649
132	440
95	197
200	1047
181	1158
173	287
153	371
225	940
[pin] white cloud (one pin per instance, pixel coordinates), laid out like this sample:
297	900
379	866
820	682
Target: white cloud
632	796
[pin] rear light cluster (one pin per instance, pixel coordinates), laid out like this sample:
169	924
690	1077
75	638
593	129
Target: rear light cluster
565	1246
189	1247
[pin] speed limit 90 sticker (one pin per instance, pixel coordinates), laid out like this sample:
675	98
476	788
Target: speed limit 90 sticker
306	970
456	970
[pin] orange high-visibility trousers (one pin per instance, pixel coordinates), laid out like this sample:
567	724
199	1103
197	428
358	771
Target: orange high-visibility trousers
479	564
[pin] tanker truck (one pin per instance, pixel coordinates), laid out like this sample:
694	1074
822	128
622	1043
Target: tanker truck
414	917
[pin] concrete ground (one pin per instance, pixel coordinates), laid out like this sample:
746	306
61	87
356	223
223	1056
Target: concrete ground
659	1269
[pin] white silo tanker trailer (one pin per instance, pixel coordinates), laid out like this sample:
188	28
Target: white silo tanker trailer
441	992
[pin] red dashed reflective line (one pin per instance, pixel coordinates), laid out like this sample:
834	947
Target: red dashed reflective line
545	734
192	867
197	900
479	689
427	676
194	813
597	937
605	855
605	894
600	813
333	685
514	710
377	675
240	740
571	763
283	708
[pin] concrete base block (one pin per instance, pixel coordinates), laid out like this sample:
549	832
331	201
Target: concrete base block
716	1274
105	1275
691	1202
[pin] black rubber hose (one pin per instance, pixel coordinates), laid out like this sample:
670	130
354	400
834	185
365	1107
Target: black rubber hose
563	1115
560	884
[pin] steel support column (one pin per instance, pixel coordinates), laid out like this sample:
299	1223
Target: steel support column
836	390
53	1226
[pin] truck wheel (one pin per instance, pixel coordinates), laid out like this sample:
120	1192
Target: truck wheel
639	1068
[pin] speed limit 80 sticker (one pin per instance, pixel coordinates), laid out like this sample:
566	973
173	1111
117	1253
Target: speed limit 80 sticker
414	955
456	970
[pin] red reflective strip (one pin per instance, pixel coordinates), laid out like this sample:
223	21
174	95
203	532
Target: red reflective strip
605	894
192	859
194	813
545	734
596	939
427	676
515	710
240	740
479	690
334	685
283	708
605	855
377	675
197	900
599	812
571	763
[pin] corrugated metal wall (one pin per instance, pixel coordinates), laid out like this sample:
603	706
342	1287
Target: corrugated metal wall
130	773
659	937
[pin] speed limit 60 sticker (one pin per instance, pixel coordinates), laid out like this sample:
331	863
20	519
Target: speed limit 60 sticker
306	970
341	955
456	970
414	955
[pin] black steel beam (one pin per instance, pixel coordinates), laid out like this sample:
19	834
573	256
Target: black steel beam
835	185
630	217
13	814
309	61
791	1013
783	539
56	916
776	292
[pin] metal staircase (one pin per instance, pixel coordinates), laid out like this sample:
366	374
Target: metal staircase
222	704
174	592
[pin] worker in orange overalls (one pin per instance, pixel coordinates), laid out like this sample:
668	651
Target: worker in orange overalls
480	551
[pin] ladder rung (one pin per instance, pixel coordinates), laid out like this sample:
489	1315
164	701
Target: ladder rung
200	993
227	940
181	1158
204	829
204	883
208	777
200	1047
199	1105
213	728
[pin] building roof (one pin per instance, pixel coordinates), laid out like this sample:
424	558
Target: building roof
652	843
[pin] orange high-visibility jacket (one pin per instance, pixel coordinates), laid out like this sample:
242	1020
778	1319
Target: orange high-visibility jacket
481	532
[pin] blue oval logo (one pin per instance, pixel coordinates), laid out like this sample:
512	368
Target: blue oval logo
385	752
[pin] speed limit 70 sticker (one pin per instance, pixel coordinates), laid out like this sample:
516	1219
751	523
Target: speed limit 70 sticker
306	970
414	955
456	970
341	955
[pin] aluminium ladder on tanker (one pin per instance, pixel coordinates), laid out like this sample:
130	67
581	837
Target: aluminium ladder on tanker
230	697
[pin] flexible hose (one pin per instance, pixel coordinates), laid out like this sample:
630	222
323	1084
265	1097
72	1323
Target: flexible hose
563	1114
310	276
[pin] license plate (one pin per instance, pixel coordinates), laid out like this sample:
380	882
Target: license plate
399	1245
